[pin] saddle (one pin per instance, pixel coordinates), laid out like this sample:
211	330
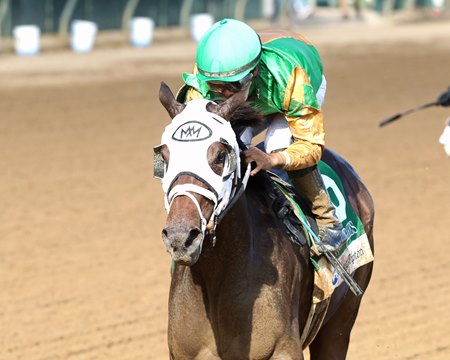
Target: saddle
302	227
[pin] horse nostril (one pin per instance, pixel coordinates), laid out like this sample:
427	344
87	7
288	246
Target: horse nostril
178	239
193	234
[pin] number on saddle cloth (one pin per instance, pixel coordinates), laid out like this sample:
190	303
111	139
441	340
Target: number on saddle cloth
355	253
291	200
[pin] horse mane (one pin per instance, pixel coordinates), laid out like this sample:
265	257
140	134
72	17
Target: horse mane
245	116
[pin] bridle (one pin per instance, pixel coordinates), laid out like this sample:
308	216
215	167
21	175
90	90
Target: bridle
188	138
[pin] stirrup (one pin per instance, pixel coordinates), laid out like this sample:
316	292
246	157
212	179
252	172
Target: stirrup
332	237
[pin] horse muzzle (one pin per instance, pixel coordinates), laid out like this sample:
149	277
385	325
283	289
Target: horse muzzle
183	244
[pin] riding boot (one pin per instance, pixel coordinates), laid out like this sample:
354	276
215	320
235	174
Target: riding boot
310	186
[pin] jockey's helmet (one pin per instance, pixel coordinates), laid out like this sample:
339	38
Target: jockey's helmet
228	51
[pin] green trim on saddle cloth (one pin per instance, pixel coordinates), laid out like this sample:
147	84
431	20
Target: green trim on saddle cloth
354	254
297	211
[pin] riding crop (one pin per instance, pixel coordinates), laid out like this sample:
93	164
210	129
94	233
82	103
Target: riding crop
443	100
334	261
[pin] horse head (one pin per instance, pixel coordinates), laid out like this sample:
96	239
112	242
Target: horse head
199	164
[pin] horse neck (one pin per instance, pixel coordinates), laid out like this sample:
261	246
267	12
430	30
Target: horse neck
234	243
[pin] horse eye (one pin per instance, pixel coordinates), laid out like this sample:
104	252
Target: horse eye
220	159
217	155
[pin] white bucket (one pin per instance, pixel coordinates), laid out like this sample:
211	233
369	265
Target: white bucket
438	4
82	35
141	31
27	40
200	24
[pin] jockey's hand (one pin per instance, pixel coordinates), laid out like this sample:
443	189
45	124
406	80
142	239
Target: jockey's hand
263	160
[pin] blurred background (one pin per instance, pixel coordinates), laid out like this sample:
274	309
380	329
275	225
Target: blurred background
51	15
55	16
83	269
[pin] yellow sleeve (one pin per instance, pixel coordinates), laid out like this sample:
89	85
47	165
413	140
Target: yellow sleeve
193	94
309	139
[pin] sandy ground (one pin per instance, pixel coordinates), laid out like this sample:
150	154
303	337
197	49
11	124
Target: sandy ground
83	270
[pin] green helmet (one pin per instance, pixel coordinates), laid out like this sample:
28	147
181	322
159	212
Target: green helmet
228	51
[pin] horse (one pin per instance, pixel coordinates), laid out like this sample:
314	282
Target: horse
240	288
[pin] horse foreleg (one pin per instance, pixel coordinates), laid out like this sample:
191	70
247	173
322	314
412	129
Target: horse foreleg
331	343
332	340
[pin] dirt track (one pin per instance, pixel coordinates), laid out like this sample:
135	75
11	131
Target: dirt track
83	271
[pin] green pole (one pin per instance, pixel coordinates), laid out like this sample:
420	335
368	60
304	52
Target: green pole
164	16
48	21
63	26
4	9
185	12
128	13
239	10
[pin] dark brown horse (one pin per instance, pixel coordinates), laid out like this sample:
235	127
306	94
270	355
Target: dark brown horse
241	290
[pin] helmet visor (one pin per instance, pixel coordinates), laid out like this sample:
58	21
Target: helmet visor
220	87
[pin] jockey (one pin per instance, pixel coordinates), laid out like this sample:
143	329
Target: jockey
284	73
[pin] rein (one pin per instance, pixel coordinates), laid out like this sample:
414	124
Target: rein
239	190
216	219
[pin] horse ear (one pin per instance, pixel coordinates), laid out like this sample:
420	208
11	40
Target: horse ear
229	106
167	99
